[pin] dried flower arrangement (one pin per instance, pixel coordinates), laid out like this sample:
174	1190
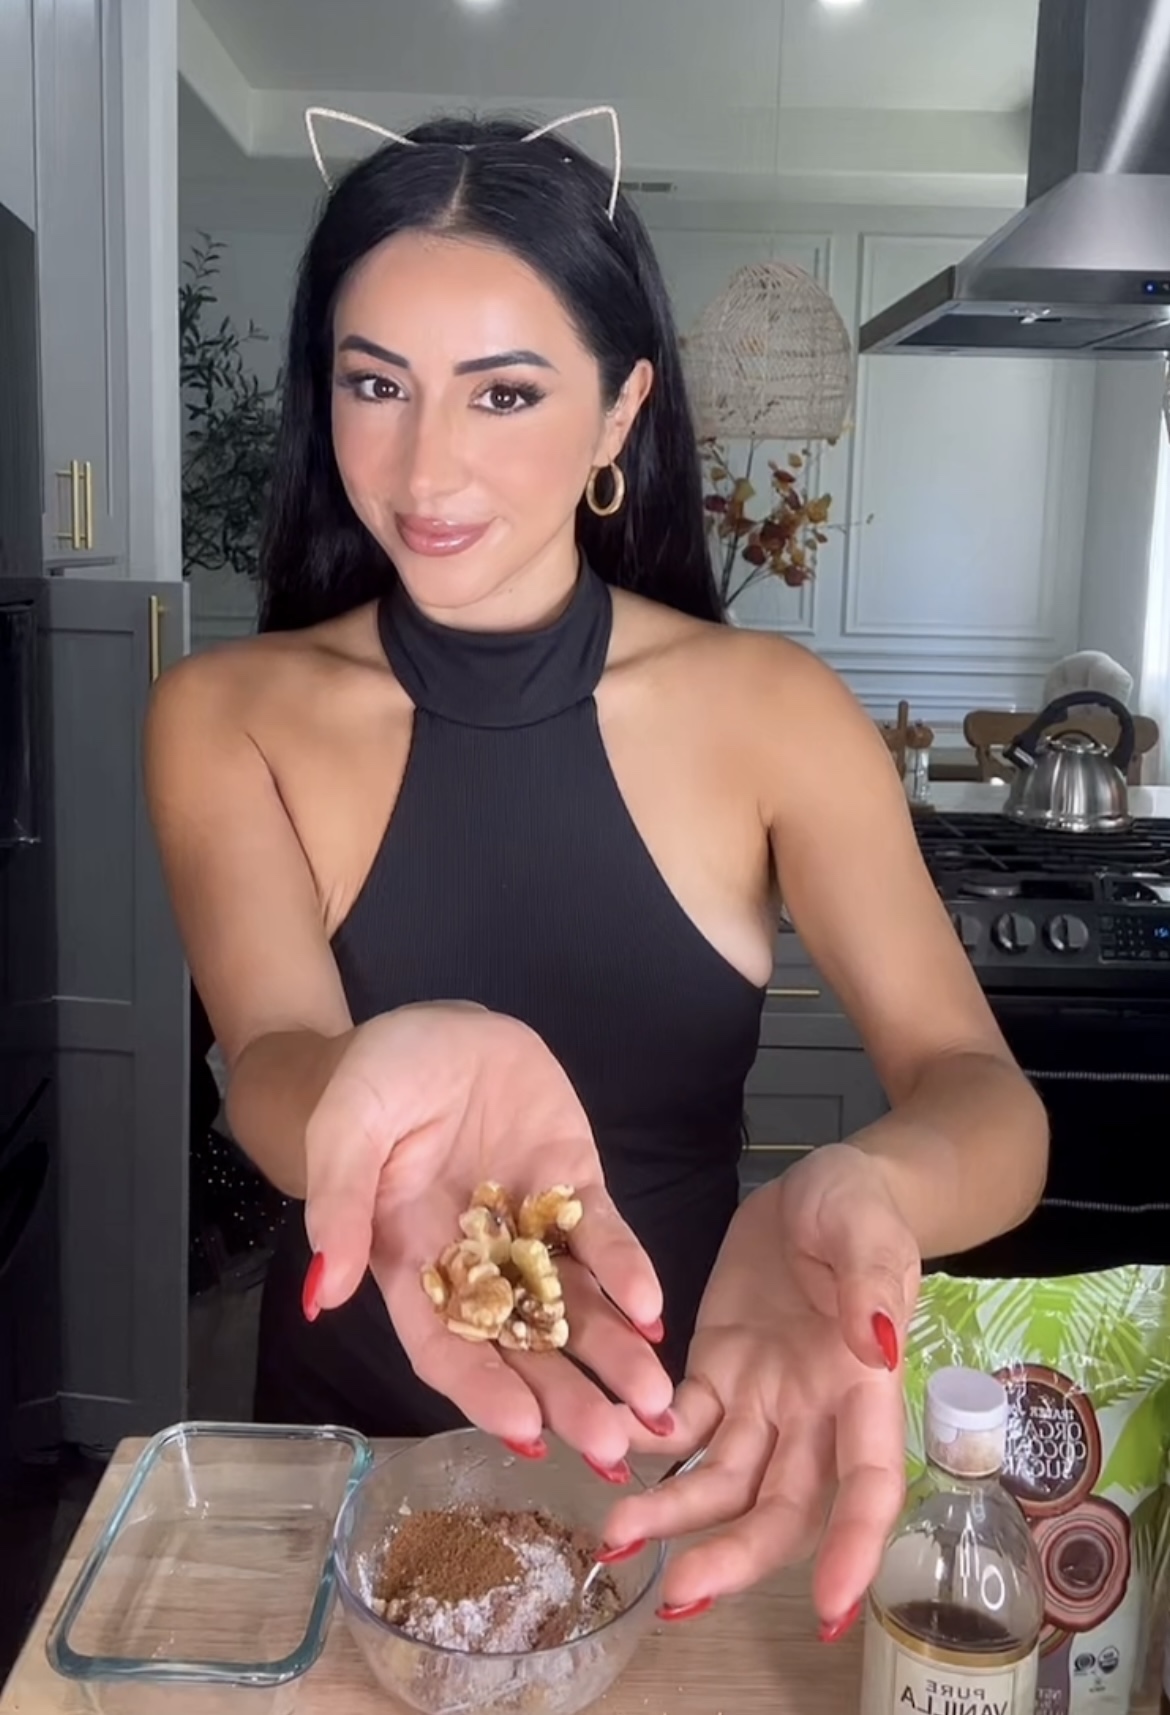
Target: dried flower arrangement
784	541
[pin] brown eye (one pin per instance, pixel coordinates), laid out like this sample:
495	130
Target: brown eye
375	388
504	399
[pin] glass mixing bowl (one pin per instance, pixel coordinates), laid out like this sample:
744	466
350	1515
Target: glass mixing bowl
467	1467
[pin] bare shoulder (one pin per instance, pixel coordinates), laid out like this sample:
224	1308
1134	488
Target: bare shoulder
772	674
250	686
779	722
226	737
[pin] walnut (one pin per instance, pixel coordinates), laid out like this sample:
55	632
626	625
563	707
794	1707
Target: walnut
537	1314
466	1264
484	1229
468	1289
484	1305
468	1331
500	1281
515	1336
521	1336
494	1198
533	1264
550	1215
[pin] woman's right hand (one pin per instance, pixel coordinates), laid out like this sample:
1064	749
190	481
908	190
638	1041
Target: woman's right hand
426	1103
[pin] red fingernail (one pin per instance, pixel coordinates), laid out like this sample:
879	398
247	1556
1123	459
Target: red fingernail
652	1331
312	1287
528	1450
687	1610
612	1556
886	1336
663	1425
831	1633
619	1473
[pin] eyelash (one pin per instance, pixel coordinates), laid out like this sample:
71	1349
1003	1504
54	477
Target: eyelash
526	392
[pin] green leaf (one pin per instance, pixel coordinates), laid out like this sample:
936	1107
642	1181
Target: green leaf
1007	1314
1148	1532
1138	1458
1109	1332
230	425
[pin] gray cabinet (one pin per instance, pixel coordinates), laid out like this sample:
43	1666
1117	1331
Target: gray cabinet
798	1098
20	502
800	1010
118	998
122	1032
29	1227
79	221
17	176
812	1081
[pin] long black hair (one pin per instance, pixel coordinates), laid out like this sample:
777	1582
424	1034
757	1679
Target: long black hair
547	203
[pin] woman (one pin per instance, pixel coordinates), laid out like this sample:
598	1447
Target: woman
477	852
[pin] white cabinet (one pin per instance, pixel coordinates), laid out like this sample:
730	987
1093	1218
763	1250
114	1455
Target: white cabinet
952	573
79	220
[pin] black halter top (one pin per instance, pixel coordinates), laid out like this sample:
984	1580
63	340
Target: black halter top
511	874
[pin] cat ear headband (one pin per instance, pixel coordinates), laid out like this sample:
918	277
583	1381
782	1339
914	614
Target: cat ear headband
313	114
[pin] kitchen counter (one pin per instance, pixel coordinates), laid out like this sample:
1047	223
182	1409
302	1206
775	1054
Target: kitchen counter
972	798
755	1654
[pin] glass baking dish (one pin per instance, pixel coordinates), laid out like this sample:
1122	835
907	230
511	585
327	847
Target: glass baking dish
215	1568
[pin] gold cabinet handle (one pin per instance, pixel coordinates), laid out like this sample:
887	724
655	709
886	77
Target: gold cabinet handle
154	622
87	484
780	1148
794	994
74	478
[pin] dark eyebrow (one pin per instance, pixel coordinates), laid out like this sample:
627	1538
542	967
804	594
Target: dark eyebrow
355	342
502	360
472	366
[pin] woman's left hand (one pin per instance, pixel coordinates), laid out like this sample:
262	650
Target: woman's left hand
793	1379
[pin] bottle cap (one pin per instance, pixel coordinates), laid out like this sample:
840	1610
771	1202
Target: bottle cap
966	1422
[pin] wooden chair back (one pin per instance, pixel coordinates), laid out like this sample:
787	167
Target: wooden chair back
989	731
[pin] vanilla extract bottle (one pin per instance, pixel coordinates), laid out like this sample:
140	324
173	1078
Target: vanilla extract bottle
955	1611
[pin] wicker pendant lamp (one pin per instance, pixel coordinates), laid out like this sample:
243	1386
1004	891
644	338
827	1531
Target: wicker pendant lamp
770	360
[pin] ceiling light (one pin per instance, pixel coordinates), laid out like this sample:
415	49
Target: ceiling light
840	5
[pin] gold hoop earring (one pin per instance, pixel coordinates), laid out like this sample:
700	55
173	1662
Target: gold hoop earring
616	500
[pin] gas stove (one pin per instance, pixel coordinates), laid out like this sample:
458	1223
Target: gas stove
1069	935
1038	910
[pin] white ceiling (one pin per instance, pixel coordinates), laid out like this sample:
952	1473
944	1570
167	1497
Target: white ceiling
889	100
971	55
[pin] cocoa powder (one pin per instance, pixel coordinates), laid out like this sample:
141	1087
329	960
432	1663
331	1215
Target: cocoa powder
446	1557
490	1580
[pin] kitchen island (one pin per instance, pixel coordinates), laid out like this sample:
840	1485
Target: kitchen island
755	1654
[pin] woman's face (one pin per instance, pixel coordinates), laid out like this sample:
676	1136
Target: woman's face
467	416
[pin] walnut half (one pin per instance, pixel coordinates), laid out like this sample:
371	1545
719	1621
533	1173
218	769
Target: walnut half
478	1300
550	1215
500	1280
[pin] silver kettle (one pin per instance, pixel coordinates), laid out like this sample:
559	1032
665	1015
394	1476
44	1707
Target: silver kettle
1068	781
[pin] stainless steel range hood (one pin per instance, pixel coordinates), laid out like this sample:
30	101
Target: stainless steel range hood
1084	269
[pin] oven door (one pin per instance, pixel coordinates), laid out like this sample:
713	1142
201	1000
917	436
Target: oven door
1102	1068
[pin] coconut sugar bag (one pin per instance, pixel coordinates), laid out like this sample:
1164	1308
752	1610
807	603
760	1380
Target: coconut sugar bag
1085	1360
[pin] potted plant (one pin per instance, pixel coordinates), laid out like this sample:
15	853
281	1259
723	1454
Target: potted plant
229	425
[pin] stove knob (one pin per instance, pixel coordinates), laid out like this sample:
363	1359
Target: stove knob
966	928
1066	934
1013	932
